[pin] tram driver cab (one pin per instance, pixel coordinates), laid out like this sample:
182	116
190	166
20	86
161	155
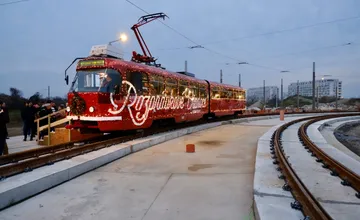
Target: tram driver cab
93	75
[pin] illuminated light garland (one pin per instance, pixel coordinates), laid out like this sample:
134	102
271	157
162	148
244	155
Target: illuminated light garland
152	103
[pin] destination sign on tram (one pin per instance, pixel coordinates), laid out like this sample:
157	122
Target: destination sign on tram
88	63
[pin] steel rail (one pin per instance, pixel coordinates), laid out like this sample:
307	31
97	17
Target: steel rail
337	169
308	203
44	150
36	152
66	153
30	164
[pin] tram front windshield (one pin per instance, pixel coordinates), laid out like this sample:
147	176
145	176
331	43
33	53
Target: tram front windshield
96	80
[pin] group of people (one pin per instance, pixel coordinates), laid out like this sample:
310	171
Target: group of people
31	112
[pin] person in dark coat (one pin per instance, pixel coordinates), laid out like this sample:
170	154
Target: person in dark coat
32	118
36	110
7	118
53	109
4	119
45	110
28	117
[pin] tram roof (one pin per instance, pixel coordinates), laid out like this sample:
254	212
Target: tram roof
147	68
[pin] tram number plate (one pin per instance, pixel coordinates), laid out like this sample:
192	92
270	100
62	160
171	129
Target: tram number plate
87	63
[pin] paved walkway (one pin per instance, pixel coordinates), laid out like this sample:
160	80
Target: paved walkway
16	144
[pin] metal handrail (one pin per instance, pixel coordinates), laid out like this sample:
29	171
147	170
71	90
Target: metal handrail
49	125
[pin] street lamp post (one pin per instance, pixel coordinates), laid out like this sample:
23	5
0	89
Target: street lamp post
239	63
336	94
282	91
277	96
264	96
313	88
297	91
239	80
317	96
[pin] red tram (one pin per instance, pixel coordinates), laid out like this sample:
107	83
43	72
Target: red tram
111	94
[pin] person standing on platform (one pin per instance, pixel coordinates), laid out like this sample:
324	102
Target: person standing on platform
28	119
53	109
36	109
3	131
24	119
45	110
32	113
7	118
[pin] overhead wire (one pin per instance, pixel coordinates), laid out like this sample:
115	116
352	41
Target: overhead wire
13	2
233	39
306	51
274	32
199	45
163	23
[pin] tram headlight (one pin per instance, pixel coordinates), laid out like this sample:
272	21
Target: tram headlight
91	109
68	109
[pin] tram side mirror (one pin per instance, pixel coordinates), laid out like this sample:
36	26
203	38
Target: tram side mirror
67	79
117	90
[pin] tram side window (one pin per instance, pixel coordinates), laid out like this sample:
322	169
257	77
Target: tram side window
242	95
194	88
235	94
183	88
229	94
146	87
238	95
223	93
138	80
215	93
171	88
157	84
203	91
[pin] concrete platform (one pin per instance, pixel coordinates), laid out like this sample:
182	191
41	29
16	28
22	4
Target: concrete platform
20	187
206	177
16	144
162	182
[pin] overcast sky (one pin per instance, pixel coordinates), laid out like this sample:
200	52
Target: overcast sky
40	38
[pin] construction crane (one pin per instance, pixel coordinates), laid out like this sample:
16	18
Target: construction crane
147	58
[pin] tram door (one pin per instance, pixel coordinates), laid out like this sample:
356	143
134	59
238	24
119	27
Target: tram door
183	93
215	104
224	101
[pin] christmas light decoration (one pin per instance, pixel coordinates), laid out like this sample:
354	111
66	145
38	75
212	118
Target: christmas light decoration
78	105
161	94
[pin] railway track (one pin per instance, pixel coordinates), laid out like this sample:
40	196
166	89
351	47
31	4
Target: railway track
305	201
28	160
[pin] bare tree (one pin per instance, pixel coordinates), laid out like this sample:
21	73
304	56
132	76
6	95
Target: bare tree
15	93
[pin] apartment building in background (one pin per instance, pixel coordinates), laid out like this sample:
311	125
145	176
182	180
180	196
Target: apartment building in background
258	93
324	87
